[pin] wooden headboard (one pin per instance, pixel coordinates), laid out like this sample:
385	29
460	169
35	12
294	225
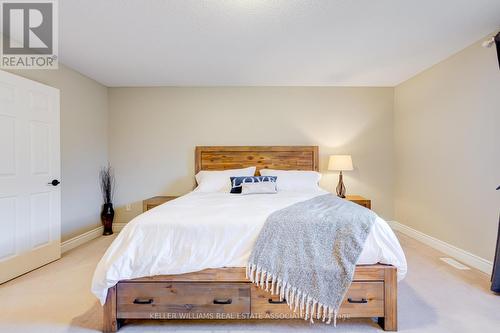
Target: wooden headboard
271	157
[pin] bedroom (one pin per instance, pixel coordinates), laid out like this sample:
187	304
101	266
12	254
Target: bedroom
399	97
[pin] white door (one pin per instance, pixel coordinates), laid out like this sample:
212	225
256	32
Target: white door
30	207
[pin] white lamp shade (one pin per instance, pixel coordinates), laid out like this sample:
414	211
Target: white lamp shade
340	163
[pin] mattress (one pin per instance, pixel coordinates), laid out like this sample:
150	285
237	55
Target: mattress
212	230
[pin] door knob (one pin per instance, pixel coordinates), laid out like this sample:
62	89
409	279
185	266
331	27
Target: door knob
55	182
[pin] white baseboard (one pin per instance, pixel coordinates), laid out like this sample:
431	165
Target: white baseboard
87	237
466	257
81	239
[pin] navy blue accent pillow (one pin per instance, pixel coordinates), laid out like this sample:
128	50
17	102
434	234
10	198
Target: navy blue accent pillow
237	181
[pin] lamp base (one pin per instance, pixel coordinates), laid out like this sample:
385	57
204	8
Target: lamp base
340	187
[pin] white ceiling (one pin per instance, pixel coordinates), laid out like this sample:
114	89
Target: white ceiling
266	42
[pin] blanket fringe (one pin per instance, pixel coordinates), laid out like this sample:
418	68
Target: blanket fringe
297	300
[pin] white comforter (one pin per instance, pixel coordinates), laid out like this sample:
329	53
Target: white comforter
211	230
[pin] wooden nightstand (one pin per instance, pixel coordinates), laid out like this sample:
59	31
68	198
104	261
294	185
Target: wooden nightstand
155	201
360	200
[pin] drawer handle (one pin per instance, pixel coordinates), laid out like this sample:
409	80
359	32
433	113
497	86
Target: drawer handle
363	300
143	301
271	301
223	301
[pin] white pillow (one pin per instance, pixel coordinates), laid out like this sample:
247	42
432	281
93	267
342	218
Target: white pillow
219	181
294	180
258	188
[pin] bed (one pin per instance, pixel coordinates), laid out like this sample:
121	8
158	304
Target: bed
186	259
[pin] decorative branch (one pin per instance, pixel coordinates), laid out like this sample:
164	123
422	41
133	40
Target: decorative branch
107	183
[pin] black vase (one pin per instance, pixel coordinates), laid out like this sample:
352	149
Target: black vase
107	216
495	276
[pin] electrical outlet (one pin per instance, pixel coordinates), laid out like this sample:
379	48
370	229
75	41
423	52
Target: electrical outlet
128	207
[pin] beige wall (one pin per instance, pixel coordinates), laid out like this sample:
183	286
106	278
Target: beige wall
447	151
153	132
84	145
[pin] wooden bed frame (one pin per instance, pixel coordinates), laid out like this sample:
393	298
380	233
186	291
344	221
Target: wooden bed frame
225	293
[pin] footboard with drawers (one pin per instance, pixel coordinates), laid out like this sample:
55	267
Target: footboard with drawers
225	293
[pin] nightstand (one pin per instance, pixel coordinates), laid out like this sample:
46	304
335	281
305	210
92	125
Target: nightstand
155	201
360	200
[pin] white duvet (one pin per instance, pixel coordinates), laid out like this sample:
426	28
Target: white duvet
212	230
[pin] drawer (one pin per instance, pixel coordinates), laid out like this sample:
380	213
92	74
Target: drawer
266	305
182	300
364	203
363	299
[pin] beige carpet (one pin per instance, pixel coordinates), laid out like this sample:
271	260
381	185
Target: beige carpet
434	297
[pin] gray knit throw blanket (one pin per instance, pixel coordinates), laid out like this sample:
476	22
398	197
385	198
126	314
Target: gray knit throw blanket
306	253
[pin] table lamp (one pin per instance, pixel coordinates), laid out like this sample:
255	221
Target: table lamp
340	163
